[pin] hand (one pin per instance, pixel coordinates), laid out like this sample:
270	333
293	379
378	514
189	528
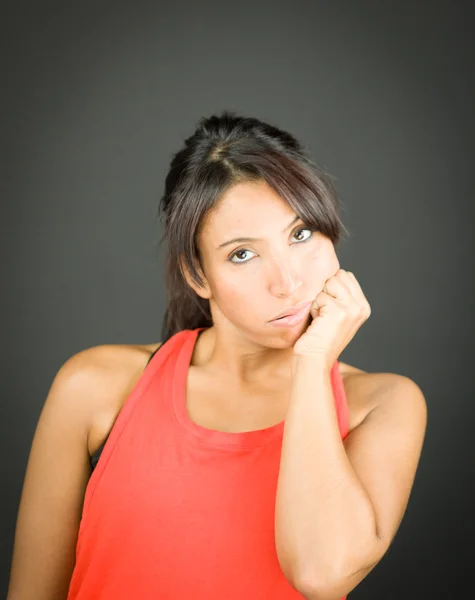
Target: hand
337	314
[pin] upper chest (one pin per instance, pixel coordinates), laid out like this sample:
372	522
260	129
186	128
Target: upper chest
215	404
220	406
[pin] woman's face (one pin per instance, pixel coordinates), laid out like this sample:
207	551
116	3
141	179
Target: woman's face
249	282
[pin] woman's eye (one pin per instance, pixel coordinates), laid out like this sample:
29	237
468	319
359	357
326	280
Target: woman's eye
244	251
237	254
305	229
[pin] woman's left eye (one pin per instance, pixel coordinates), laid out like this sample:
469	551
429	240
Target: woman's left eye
243	250
304	229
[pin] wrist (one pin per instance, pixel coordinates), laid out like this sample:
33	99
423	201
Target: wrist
315	363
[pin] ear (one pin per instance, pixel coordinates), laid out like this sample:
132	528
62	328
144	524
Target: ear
202	291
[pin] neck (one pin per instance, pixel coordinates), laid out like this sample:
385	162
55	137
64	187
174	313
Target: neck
243	361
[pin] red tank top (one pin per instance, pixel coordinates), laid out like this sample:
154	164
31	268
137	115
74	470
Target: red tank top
176	511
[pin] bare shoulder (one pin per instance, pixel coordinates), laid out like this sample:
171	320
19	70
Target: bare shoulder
84	399
107	373
367	391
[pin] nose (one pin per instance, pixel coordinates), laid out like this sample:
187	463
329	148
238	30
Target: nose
285	278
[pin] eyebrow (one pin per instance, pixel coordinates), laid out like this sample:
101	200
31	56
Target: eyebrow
251	239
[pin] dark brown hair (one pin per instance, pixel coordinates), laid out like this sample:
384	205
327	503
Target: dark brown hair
224	150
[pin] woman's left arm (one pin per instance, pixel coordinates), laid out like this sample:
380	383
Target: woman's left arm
340	502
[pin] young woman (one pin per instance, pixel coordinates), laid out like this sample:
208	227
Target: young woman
237	458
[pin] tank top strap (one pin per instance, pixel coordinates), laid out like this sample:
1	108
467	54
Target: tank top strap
172	345
341	403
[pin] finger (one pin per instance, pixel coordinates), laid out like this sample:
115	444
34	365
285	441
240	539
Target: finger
358	294
338	289
355	287
322	299
348	280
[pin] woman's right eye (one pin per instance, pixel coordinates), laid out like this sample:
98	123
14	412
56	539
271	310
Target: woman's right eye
239	262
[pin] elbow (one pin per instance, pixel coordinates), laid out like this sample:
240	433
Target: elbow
333	584
313	593
320	585
333	589
312	590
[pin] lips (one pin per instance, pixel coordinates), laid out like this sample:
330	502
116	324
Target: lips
291	310
292	320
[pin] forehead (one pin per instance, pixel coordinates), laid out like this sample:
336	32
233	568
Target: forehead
246	205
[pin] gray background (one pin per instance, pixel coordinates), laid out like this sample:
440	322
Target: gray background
97	97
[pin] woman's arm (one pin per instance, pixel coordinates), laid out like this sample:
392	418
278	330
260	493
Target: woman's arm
56	477
339	503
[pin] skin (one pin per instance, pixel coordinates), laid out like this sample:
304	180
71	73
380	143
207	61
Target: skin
242	353
278	271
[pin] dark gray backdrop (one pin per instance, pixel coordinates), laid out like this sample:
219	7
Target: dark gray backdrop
96	97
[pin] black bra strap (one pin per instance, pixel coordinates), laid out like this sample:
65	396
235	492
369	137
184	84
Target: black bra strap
153	353
95	457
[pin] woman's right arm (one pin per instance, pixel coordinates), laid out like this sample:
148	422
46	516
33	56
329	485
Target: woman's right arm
55	481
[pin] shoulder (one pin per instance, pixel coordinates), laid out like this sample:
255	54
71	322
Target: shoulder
367	391
106	362
102	377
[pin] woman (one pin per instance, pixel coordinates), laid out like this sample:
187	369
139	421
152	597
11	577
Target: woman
238	457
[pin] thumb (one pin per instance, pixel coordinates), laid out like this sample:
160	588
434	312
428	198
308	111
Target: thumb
314	311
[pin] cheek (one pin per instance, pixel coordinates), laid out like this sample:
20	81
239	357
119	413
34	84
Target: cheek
230	295
323	261
333	264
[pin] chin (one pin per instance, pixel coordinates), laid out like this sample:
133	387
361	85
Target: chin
286	337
